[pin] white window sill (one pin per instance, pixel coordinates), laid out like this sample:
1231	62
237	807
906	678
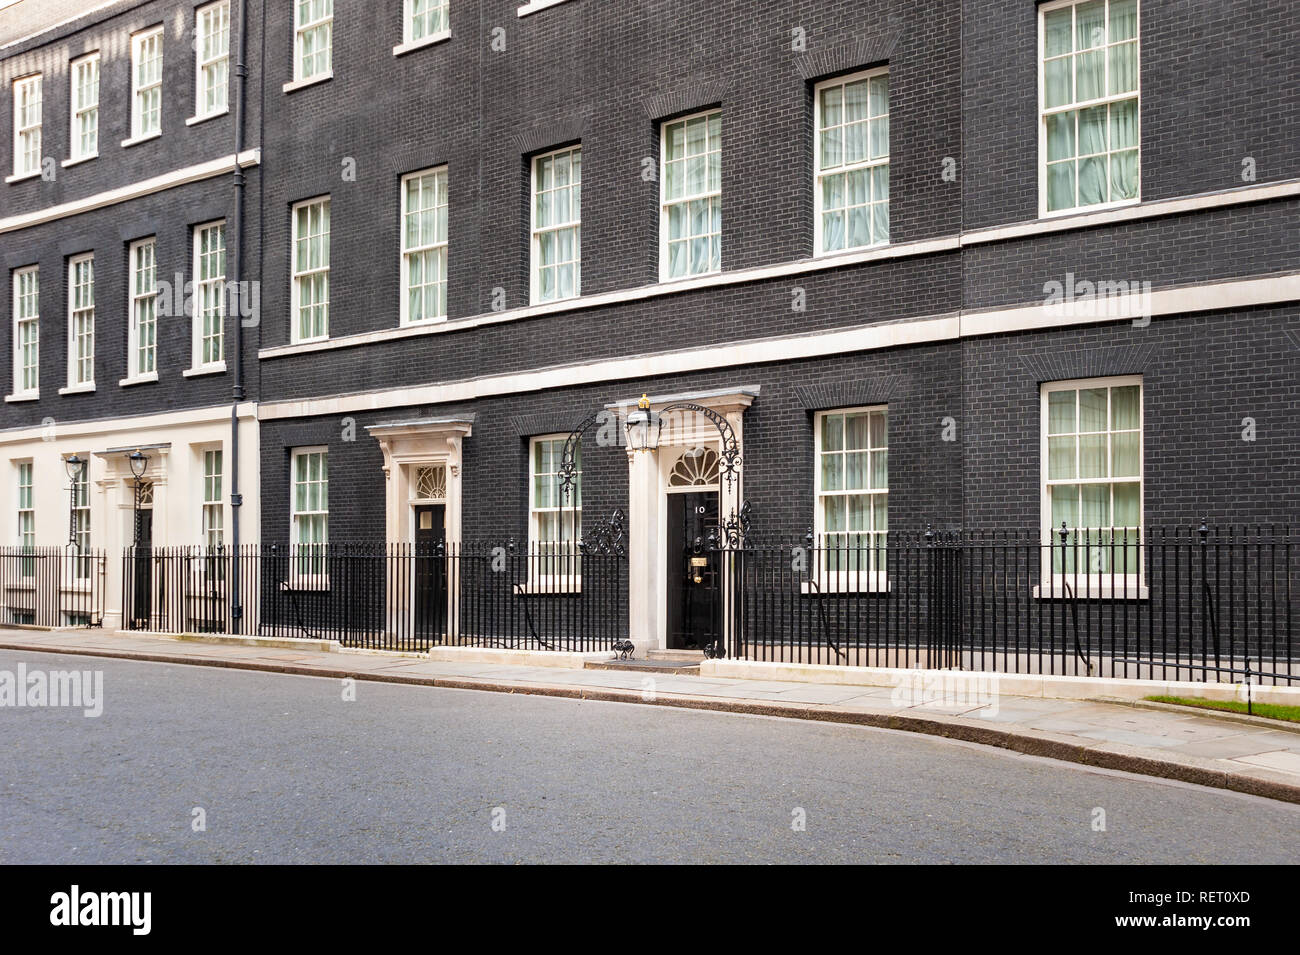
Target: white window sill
1096	589
195	120
532	6
295	85
137	140
1083	210
533	303
216	368
138	379
309	341
422	323
78	160
421	43
550	585
664	279
835	586
19	177
831	255
23	396
82	389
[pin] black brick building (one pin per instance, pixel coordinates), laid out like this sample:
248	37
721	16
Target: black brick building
937	307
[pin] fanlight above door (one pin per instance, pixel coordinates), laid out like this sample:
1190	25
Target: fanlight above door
430	483
697	467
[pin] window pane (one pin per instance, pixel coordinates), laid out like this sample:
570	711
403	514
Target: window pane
1060	412
855	477
1092	130
1096	505
1124	454
1128	502
1058	26
1060	186
1123	68
856	431
1125	407
834	516
832	432
832	472
1092	456
1090	24
879	470
1060	458
1060	136
1058	88
1065	506
880	429
1092	409
1123	20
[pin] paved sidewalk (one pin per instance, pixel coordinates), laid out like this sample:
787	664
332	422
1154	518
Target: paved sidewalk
1171	743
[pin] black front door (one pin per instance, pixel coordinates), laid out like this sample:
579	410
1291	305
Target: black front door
142	570
430	572
694	594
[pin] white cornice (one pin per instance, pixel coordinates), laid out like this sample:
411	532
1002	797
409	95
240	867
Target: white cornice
247	411
1236	293
145	187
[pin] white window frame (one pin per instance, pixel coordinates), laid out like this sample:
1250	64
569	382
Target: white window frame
25	511
206	291
212	514
856	580
75	381
323	23
142	352
686	198
299	275
82	541
20	319
138	91
819	172
405	254
213	19
27	135
574	222
82	109
1084	583
541	576
1044	113
409	40
305	571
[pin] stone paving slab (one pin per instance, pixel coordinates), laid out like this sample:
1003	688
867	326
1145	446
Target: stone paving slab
1173	744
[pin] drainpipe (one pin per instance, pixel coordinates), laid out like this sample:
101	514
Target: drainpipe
237	395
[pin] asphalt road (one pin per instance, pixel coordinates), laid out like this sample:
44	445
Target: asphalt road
285	770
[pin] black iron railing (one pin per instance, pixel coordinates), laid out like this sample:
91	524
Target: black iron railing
1187	604
388	596
52	586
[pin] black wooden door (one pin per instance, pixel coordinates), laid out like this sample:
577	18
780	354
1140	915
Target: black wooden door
694	593
142	570
430	572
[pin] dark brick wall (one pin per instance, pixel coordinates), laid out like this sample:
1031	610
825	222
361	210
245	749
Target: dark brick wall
170	217
110	33
1213	77
920	385
609	73
1202	375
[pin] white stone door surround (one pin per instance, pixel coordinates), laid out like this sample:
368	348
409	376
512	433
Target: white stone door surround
648	475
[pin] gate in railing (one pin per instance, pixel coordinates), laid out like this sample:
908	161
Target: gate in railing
568	596
1187	604
52	586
